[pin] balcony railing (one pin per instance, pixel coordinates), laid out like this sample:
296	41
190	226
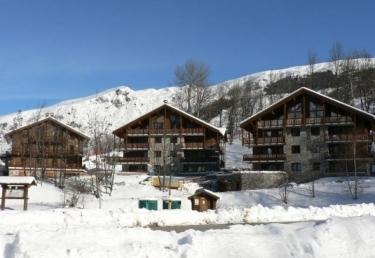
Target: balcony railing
168	131
270	123
339	156
294	122
134	159
347	137
192	145
308	121
136	145
338	120
265	141
137	131
192	130
259	157
313	120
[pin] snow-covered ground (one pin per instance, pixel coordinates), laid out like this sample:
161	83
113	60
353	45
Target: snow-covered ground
48	230
337	237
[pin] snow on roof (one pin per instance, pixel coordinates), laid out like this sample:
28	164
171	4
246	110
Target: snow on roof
202	190
17	180
222	131
313	92
260	172
54	120
219	129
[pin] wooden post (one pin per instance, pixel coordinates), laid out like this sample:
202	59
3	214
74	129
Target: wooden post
204	138
25	196
4	190
284	115
242	136
304	110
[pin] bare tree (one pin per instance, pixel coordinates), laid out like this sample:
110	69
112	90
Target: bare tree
312	59
101	145
192	77
336	54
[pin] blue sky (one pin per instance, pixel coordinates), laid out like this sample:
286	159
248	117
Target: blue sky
51	50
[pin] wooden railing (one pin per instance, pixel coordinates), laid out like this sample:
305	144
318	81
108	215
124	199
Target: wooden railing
314	120
348	137
136	145
165	131
264	140
192	145
44	153
308	121
348	156
137	131
252	157
270	123
338	119
192	130
294	122
133	159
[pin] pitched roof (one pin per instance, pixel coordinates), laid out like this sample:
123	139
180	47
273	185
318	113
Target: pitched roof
205	191
311	92
17	180
51	119
200	121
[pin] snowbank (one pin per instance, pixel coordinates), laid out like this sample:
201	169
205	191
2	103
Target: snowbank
350	237
66	218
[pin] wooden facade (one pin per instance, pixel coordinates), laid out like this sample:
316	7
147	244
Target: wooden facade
308	134
169	139
45	148
203	200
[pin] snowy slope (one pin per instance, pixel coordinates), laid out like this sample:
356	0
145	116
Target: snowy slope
121	104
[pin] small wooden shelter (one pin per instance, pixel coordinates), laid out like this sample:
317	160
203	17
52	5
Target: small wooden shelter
16	182
203	200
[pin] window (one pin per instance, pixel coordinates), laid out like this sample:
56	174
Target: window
315	131
158	125
71	149
295	111
157	154
157	139
157	169
174	140
316	166
296	149
316	110
296	167
295	132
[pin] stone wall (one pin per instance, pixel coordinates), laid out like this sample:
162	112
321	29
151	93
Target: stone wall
312	149
250	180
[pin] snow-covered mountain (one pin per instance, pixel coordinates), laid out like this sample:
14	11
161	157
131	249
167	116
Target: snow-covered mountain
121	104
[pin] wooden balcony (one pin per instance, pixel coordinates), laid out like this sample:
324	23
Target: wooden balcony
137	132
314	120
166	131
265	141
294	122
270	123
133	159
348	138
192	145
263	157
192	131
340	156
279	123
338	120
136	146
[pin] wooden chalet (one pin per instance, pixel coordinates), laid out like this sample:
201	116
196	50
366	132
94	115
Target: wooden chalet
169	139
308	134
45	148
